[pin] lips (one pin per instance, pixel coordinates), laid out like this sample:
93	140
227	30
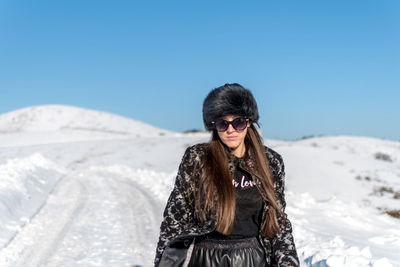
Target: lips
232	137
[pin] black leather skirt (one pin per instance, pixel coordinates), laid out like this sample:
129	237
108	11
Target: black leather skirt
228	253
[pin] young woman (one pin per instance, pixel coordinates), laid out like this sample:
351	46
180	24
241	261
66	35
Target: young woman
227	205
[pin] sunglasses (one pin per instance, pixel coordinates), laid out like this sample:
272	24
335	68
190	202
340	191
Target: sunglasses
239	124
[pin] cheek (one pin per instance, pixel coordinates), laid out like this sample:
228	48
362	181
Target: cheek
221	135
243	134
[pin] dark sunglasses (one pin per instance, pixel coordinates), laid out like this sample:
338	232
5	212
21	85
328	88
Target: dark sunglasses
239	124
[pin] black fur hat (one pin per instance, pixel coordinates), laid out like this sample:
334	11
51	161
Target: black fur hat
231	99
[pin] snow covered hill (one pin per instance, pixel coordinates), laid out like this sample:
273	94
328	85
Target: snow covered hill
344	195
67	123
74	196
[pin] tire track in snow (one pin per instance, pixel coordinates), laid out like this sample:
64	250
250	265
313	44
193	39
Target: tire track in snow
37	240
93	218
52	248
144	212
117	227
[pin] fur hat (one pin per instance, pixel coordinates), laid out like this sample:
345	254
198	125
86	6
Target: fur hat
229	100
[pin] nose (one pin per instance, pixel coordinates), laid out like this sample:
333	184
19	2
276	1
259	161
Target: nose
230	128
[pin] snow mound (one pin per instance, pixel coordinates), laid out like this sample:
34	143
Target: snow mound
24	187
336	233
50	118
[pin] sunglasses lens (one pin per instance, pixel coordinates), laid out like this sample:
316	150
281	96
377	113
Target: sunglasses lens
221	125
239	124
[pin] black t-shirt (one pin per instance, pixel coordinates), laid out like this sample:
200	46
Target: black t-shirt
249	207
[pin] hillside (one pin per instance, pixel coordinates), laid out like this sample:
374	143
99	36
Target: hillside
60	123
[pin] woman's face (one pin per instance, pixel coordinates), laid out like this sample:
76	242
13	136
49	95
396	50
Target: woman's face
232	138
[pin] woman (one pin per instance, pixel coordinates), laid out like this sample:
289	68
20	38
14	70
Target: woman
227	204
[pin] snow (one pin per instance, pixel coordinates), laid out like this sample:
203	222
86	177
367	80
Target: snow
24	187
62	123
87	188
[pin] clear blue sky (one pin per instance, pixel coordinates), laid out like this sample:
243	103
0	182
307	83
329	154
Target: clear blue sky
315	67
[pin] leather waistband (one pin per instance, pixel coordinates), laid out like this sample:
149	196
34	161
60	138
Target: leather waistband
250	242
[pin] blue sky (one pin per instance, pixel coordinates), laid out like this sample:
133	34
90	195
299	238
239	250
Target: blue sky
315	67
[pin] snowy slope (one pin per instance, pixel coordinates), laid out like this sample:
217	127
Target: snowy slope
24	187
338	191
67	123
88	202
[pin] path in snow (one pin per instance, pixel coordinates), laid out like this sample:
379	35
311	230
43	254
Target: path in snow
92	219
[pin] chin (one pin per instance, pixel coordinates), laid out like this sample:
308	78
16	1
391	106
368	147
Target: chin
232	145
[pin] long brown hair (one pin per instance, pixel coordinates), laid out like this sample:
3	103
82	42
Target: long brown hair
216	194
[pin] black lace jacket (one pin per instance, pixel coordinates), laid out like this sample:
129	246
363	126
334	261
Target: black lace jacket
180	224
